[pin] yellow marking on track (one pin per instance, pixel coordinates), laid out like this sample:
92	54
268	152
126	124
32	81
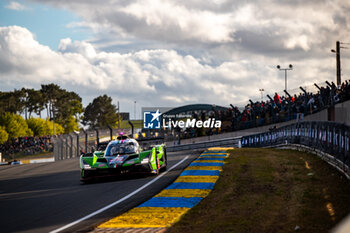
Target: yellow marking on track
213	157
215	153
184	193
195	179
204	168
221	148
208	161
144	217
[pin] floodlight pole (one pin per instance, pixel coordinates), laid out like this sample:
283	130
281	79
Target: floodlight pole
337	56
285	74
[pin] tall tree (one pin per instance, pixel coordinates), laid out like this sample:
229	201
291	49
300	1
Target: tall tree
100	113
12	101
34	102
50	94
63	107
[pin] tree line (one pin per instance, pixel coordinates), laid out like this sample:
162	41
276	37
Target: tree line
62	107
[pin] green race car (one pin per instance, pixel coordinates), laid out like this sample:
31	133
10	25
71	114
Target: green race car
122	156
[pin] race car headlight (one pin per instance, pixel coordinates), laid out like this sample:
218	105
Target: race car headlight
145	161
85	164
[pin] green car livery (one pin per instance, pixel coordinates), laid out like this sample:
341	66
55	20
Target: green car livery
121	156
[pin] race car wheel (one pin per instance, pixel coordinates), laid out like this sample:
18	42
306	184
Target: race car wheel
165	160
157	169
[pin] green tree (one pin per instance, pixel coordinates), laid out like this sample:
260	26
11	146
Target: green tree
3	135
63	107
100	113
12	101
41	127
38	126
15	125
58	128
69	109
71	125
34	102
50	94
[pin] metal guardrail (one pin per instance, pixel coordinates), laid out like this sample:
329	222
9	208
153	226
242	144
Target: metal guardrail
232	142
328	139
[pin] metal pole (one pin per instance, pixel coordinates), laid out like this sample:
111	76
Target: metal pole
285	79
118	116
66	138
97	136
53	121
338	63
86	141
110	132
78	150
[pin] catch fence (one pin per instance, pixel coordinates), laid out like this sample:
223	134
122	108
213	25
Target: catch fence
330	140
73	144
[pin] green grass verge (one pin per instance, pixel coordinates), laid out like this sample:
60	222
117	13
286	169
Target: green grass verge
20	155
267	190
125	124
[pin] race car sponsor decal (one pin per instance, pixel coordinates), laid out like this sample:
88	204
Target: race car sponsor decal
130	162
118	160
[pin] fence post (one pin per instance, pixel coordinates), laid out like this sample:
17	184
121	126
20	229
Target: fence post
56	148
86	140
71	146
78	149
66	155
110	132
97	136
62	147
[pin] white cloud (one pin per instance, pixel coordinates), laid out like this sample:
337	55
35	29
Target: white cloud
16	6
266	27
155	77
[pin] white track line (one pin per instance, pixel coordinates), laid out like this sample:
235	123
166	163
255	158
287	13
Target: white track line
119	201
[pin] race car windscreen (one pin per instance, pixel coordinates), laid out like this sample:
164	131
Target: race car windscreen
125	148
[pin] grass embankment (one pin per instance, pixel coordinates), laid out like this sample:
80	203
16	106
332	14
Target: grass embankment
21	155
266	190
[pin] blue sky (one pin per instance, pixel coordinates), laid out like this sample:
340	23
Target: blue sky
49	24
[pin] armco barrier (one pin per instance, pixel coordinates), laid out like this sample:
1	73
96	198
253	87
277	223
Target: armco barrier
329	140
232	142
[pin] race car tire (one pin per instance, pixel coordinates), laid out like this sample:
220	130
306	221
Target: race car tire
157	169
165	164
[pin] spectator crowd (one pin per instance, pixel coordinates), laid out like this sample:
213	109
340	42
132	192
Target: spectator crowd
278	108
284	108
25	146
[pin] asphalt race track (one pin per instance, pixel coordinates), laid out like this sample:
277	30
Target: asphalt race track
45	197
